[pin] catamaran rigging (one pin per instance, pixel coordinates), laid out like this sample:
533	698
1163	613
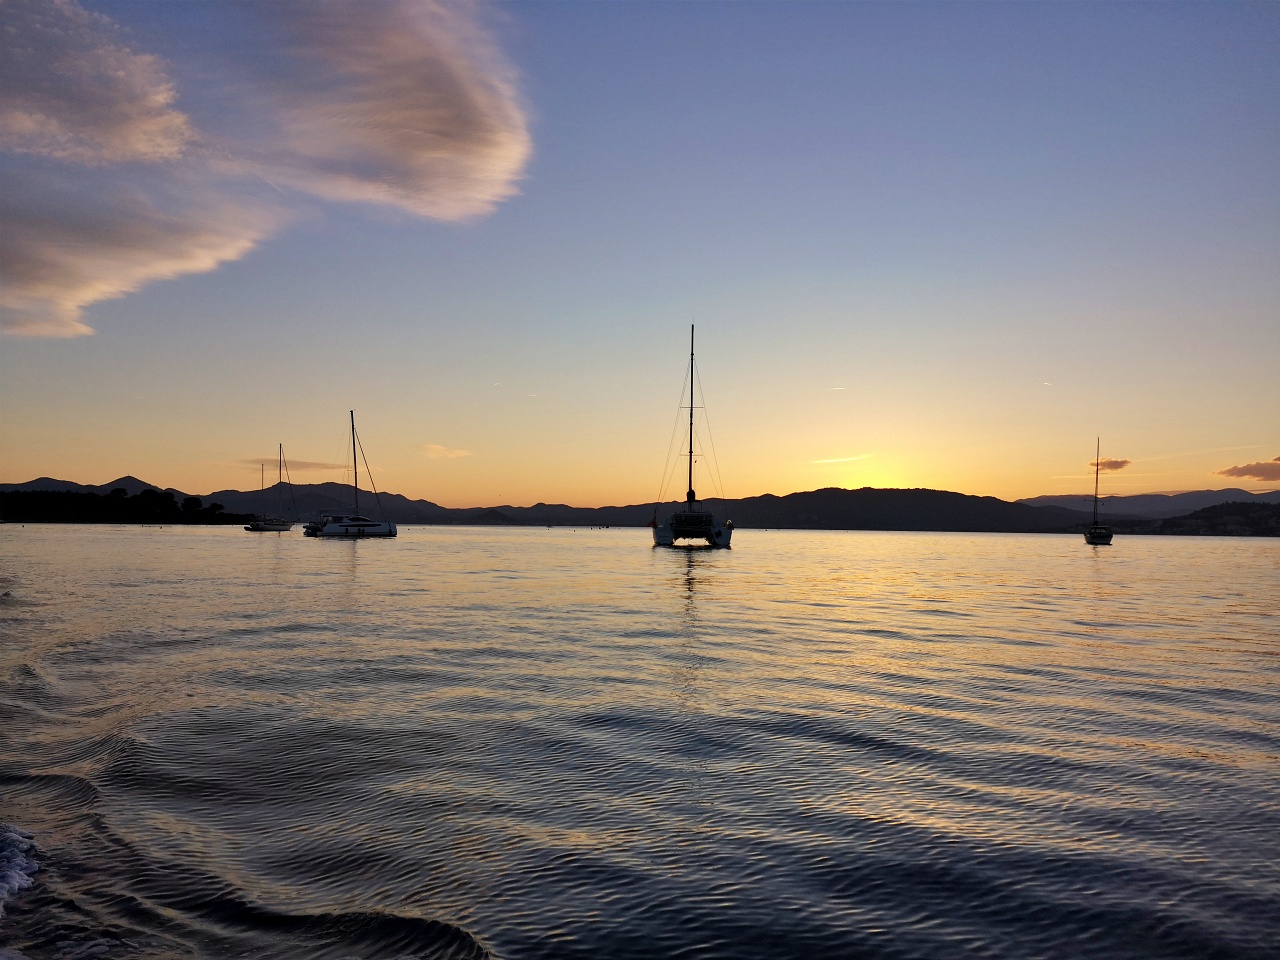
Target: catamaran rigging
693	522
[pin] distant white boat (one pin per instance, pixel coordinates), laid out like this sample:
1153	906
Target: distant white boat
693	522
274	524
1099	535
350	525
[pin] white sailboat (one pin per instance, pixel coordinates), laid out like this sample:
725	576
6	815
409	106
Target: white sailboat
693	522
1099	535
275	524
350	525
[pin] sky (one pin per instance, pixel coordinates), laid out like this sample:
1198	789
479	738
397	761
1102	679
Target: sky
924	245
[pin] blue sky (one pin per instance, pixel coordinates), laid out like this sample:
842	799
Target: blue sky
937	245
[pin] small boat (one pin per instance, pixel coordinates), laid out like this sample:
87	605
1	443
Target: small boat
350	525
269	525
1099	535
693	522
274	524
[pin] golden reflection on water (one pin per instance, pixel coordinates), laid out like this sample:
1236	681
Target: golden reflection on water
476	710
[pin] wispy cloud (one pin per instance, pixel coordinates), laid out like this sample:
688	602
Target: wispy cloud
66	245
434	451
1265	470
1106	464
110	186
844	459
400	103
294	465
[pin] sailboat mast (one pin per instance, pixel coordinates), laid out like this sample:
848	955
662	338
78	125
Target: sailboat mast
1097	465
355	467
280	465
690	495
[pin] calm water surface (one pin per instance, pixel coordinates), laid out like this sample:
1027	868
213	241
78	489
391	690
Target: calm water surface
525	743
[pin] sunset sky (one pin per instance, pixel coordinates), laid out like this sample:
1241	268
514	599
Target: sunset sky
925	245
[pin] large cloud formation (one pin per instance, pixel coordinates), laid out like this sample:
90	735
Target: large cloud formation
1265	470
110	186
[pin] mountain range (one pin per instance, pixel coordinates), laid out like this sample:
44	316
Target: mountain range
1153	505
831	508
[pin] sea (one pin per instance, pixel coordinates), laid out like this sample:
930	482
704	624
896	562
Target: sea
535	744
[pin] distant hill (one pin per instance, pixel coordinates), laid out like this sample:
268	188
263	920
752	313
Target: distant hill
829	509
1227	520
832	508
1156	505
311	499
130	485
870	508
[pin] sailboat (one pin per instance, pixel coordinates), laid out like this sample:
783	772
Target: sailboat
1098	534
350	525
274	524
693	522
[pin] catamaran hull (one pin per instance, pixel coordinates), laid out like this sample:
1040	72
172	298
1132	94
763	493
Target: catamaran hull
666	535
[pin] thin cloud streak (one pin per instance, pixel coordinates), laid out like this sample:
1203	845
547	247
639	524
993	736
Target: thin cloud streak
294	465
435	451
1267	471
844	459
110	187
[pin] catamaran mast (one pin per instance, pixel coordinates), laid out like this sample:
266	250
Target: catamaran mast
690	496
355	467
1097	465
280	466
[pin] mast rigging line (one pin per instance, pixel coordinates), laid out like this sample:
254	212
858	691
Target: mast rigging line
677	437
714	473
691	379
293	500
372	485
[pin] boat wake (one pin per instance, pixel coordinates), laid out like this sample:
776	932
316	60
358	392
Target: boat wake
18	863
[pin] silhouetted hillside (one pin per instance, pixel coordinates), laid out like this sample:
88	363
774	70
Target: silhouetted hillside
875	509
832	508
1156	505
149	505
311	499
1227	520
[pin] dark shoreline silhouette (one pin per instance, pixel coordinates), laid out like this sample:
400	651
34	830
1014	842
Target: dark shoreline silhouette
146	506
130	500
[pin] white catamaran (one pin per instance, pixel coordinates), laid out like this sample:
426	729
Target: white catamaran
693	522
350	525
1099	535
276	524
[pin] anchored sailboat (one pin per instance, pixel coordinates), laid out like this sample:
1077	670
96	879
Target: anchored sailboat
276	524
350	525
1098	534
693	522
